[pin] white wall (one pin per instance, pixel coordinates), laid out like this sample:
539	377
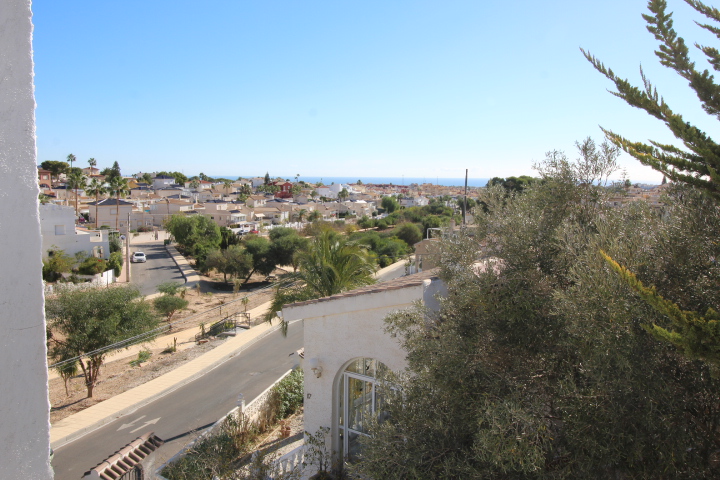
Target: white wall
71	242
24	405
339	330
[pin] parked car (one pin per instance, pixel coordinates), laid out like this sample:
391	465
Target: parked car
254	231
138	257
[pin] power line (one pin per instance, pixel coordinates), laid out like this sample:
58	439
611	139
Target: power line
128	342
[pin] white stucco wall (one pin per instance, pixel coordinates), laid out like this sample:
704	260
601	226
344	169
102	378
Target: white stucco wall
70	242
341	330
24	405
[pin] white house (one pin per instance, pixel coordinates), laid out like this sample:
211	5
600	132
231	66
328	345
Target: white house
57	227
346	345
162	181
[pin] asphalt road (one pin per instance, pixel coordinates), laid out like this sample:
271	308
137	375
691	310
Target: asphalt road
181	415
159	268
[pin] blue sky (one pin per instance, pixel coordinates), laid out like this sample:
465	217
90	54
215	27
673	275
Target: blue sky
343	88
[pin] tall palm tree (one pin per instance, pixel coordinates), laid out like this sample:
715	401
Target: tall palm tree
92	163
118	188
96	188
75	180
71	158
331	265
227	184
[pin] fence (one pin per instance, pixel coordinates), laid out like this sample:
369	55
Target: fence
228	308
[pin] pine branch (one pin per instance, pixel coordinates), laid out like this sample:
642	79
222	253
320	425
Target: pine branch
696	335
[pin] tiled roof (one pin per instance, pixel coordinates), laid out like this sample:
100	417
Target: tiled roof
414	280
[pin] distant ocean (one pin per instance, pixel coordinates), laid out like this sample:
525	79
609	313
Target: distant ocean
448	182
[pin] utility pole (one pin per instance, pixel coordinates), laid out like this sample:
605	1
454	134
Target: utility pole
127	249
465	199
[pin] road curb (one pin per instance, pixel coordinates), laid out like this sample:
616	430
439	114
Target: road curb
189	274
149	399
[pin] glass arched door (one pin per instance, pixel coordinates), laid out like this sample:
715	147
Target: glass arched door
359	402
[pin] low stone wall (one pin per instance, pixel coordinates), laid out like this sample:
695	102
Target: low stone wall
99	280
253	410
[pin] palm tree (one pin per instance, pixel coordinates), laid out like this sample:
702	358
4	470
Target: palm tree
96	188
301	214
194	184
92	163
314	215
119	188
227	184
75	180
343	194
71	158
331	265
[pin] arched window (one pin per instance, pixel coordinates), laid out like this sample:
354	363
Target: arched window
359	401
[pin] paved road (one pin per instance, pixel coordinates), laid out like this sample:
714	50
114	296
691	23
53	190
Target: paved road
159	267
177	417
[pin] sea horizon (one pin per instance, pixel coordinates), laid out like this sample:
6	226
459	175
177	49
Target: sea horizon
402	181
446	182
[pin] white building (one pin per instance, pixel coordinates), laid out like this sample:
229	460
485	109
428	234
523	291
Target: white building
346	344
57	226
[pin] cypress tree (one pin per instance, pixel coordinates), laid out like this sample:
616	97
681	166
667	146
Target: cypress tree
698	163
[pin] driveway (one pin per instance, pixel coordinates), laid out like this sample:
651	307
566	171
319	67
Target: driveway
159	267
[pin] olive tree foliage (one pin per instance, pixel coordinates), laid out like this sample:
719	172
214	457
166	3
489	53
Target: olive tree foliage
83	321
538	363
168	305
197	234
695	332
233	261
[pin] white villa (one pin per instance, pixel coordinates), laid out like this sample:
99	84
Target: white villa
345	346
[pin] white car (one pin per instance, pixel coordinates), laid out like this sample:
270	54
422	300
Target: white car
138	257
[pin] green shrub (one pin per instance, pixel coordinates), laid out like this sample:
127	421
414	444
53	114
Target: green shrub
92	266
290	393
116	262
57	263
115	243
143	356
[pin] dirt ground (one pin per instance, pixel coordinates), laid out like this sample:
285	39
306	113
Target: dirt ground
118	376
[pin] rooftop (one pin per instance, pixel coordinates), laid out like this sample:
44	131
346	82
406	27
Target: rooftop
414	280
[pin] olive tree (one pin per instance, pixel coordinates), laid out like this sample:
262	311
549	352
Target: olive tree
84	321
537	364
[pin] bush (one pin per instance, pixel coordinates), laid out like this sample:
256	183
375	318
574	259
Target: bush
169	288
55	265
115	243
144	228
143	356
116	263
92	266
290	393
409	233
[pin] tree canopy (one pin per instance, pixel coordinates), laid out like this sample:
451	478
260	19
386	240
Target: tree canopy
83	321
538	364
